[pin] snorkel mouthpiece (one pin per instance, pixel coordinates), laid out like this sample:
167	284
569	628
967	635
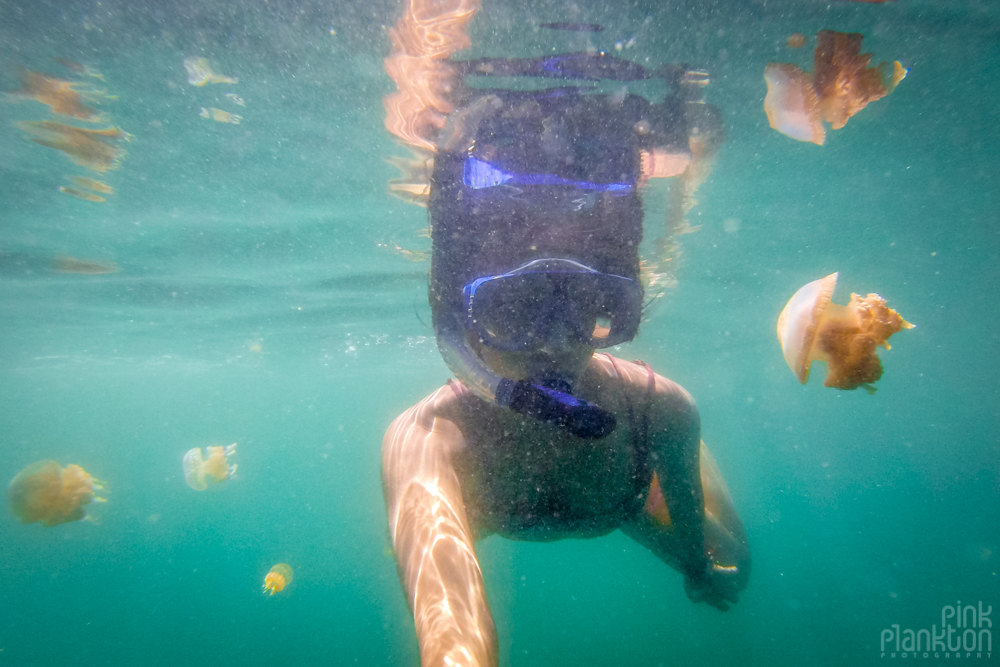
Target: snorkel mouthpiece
556	407
559	408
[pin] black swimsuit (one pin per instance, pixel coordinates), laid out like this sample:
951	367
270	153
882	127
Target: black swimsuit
543	515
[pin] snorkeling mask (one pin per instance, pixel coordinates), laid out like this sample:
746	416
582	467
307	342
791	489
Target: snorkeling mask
517	311
528	179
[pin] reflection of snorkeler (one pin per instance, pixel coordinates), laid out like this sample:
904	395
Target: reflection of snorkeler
536	223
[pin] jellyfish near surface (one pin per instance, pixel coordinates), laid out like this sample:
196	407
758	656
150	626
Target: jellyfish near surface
812	327
62	97
277	578
791	104
200	73
842	84
45	493
93	149
202	471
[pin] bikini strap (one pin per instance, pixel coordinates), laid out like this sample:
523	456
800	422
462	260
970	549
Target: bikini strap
639	430
650	382
457	387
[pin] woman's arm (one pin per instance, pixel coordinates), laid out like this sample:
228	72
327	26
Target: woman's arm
674	448
689	521
432	539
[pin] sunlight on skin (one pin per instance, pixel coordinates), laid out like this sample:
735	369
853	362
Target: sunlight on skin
433	538
433	541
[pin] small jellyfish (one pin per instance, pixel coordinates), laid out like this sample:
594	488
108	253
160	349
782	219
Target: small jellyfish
200	72
845	337
94	149
67	264
235	99
796	40
277	578
414	184
81	194
200	472
63	97
92	184
43	492
220	116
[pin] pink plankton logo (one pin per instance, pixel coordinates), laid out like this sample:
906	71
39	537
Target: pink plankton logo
966	633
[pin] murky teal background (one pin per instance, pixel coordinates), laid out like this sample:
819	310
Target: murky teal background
862	511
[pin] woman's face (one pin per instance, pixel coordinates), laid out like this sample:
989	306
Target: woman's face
563	356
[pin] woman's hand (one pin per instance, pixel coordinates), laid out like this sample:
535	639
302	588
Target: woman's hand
717	586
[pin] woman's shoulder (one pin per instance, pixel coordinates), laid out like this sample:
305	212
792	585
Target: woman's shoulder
641	385
440	404
431	423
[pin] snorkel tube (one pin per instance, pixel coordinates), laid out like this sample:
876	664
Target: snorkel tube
547	403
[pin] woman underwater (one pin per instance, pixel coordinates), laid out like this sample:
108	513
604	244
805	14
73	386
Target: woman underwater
536	224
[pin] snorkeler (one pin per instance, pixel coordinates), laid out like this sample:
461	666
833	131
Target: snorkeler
536	223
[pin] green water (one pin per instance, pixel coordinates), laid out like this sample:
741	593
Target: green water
257	302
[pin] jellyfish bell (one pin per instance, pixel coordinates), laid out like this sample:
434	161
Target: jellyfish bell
791	104
45	493
277	578
796	328
812	327
200	472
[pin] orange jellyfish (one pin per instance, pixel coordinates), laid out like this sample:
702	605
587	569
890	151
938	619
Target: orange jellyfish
92	184
277	578
51	495
94	149
81	194
841	85
68	264
60	96
845	337
201	472
842	79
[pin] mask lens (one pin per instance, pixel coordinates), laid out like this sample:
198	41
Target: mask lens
509	313
515	312
605	308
